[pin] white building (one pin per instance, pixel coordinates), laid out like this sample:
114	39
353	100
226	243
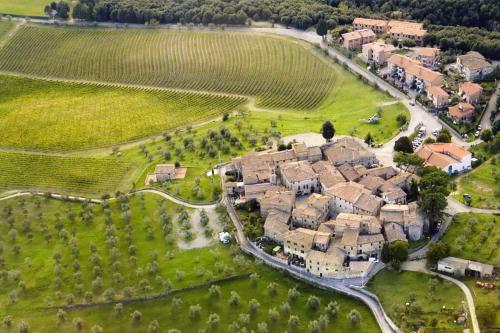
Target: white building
447	156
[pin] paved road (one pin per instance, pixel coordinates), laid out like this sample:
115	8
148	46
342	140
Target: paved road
455	207
342	286
492	104
419	266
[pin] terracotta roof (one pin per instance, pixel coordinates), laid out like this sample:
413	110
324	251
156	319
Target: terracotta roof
405	24
317	200
403	177
164	168
394	193
349	192
408	31
256	191
278	197
375	238
333	256
473	60
297	171
350	237
363	33
347	150
367	21
299	148
427	52
368	202
328	174
348	172
380	47
283	155
370	182
442	154
354	220
322	238
461	110
277	221
413	67
394	232
301	236
437	91
470	88
382	172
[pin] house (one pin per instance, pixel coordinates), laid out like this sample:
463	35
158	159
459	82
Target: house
404	180
283	157
353	198
462	267
300	150
411	74
278	200
404	24
299	242
377	26
325	264
311	212
355	39
392	194
474	66
255	168
404	216
257	191
402	32
470	92
349	150
377	52
461	112
366	224
428	56
276	225
394	232
299	177
438	96
447	156
359	246
382	172
328	174
372	183
164	172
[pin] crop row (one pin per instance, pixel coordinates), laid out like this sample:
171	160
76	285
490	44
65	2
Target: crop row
280	73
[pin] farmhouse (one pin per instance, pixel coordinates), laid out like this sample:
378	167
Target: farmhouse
299	177
355	39
461	112
164	172
470	92
447	156
474	66
377	52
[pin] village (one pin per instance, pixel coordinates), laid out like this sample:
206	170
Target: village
394	51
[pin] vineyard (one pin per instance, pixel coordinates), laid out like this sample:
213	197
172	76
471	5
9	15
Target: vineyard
278	72
80	175
37	114
5	26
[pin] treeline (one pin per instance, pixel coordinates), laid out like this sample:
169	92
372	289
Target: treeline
469	13
300	14
463	39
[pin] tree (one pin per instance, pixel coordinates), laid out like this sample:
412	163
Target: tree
213	321
354	317
63	10
136	317
214	291
328	131
24	327
234	299
313	303
194	311
322	28
406	161
369	139
253	306
401	119
432	204
81	11
436	252
293	323
154	327
487	135
395	252
403	144
443	136
78	323
96	329
293	294
332	309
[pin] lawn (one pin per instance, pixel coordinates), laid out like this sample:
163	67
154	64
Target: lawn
71	175
396	289
23	7
37	114
51	262
482	185
475	237
487	303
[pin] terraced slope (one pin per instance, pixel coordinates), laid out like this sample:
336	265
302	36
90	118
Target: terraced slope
37	114
279	72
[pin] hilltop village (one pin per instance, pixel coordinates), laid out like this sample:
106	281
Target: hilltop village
332	208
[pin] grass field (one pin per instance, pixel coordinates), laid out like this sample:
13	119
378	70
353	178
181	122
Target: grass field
474	236
395	289
23	7
5	27
487	303
51	263
280	73
482	185
72	175
37	114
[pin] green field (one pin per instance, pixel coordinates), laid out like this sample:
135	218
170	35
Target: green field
5	27
279	73
487	303
73	175
50	263
482	184
23	7
395	289
37	114
475	237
